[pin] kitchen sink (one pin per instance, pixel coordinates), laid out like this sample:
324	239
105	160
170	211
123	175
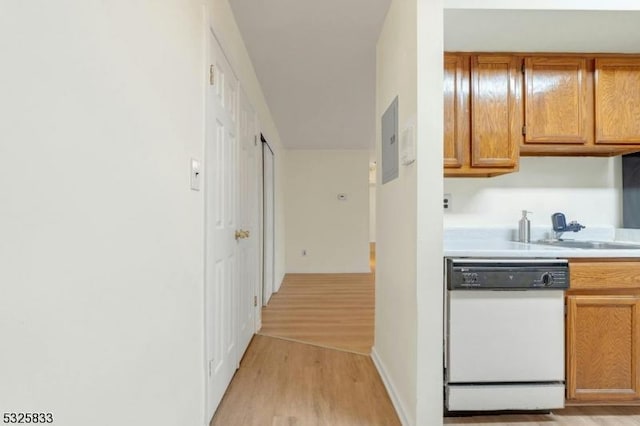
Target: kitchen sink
600	245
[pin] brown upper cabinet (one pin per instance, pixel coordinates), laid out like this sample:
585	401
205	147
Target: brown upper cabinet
482	114
557	101
496	112
617	94
581	105
500	106
456	110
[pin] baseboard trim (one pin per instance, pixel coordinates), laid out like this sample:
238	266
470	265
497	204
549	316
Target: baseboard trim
401	410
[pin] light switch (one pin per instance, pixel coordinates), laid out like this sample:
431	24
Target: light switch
196	175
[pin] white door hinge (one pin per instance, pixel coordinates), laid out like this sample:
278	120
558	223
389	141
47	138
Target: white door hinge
255	301
212	75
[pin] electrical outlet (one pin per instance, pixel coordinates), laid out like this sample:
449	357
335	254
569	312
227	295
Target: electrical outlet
446	202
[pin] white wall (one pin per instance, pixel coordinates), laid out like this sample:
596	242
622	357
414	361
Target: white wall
101	247
227	32
334	233
429	294
395	348
586	189
101	255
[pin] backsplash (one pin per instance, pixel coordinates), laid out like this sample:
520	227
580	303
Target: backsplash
586	189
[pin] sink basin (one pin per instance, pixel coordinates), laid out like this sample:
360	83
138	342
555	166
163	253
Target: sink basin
601	245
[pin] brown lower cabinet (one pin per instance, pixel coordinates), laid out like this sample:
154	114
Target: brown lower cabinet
603	332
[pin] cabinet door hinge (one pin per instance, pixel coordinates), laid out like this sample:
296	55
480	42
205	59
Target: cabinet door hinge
255	301
524	130
212	75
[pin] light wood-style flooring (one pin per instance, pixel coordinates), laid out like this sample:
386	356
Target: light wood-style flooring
329	310
288	383
572	416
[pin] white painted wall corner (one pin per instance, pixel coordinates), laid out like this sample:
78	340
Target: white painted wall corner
398	404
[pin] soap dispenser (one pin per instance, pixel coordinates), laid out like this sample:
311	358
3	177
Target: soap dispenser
524	228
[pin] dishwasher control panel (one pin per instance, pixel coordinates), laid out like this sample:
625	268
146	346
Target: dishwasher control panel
505	274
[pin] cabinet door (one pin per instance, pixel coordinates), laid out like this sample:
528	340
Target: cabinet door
556	100
456	109
496	108
617	99
603	347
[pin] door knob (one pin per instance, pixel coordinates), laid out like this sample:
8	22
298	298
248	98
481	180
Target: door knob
242	234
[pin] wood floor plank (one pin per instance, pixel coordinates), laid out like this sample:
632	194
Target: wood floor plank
286	383
330	310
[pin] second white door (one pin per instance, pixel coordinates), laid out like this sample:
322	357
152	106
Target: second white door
248	209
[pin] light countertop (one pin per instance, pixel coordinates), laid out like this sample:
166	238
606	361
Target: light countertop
496	248
498	242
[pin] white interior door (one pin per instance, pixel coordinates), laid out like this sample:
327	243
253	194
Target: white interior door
220	169
268	219
248	209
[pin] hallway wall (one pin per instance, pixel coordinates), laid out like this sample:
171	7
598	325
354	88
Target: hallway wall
101	254
333	233
395	347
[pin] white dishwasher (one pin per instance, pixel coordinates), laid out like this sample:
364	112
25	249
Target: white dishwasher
504	334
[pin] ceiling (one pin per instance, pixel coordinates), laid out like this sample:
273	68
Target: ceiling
316	59
316	63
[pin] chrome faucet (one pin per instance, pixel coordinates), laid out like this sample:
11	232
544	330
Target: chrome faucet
560	226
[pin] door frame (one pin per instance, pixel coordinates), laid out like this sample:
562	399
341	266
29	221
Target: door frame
256	239
266	244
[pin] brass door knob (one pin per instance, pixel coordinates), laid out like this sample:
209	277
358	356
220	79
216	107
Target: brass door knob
242	234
